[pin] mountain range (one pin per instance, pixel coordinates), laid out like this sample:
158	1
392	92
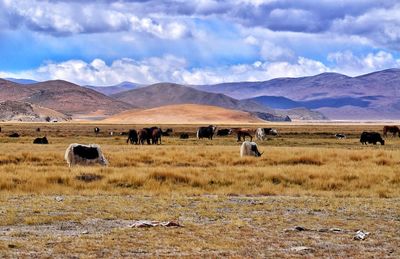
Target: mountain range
114	89
168	93
372	96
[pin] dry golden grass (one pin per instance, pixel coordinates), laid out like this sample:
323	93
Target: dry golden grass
230	206
291	165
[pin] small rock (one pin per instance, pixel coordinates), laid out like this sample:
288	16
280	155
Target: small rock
149	223
85	232
59	198
298	228
144	224
302	249
361	235
336	230
170	224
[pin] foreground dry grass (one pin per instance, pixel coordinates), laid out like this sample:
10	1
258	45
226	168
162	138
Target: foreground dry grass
305	177
204	170
214	226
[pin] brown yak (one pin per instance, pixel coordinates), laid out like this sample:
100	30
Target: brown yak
392	129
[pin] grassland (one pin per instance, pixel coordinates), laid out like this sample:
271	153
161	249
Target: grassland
230	206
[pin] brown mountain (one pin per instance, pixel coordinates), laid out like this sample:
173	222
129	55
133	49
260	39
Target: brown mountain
62	96
168	94
184	113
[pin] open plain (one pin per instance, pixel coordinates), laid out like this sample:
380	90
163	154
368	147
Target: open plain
229	206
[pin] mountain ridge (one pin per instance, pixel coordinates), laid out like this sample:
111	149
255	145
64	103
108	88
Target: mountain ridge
378	91
162	94
60	95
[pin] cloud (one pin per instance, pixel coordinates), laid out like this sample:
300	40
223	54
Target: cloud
65	18
166	69
200	41
350	64
272	52
170	68
380	25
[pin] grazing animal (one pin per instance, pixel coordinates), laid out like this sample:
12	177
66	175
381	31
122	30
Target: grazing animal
124	133
249	149
40	141
340	136
243	133
38	130
132	137
14	135
271	131
392	129
206	132
224	132
184	136
79	154
0	129
371	137
167	132
156	134
261	133
144	135
111	133
96	130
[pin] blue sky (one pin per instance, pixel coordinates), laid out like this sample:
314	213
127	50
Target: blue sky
105	42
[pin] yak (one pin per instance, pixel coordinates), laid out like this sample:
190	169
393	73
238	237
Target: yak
206	132
80	154
249	149
371	137
132	137
40	141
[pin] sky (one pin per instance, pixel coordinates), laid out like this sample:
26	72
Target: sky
106	42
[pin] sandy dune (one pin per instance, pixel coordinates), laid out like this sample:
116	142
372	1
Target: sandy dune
183	113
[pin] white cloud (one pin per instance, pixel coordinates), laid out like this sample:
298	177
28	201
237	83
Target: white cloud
171	30
350	64
381	26
273	52
170	68
166	69
60	18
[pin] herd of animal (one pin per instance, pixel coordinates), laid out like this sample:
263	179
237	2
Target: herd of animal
80	154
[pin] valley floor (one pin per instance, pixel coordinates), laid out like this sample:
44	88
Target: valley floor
213	226
228	206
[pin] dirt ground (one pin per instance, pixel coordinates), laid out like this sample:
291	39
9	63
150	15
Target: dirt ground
212	226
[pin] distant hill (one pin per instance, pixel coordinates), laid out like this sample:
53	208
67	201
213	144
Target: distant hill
21	111
62	96
167	94
373	96
184	113
114	89
279	102
276	102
